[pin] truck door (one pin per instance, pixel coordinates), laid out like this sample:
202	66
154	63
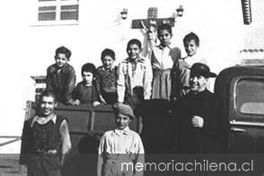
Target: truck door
246	115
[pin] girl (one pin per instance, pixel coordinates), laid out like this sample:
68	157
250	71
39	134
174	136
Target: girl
163	58
86	90
107	78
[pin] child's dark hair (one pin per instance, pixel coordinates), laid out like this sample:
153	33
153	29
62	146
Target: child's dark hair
47	93
191	36
108	52
63	50
89	67
134	42
166	27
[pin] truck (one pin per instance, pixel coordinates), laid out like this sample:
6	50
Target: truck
239	91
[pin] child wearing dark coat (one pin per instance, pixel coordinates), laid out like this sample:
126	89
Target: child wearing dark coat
61	76
86	90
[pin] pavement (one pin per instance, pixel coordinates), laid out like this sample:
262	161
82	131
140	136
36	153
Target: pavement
9	156
9	165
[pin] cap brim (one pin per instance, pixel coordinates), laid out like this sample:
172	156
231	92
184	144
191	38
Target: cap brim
211	75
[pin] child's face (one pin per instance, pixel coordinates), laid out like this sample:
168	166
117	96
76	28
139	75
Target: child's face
133	51
61	60
122	121
198	83
87	77
190	47
107	62
164	37
47	105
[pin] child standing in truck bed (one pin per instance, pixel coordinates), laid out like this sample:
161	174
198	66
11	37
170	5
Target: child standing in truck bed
61	76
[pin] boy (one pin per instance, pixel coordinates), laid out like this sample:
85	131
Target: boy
181	69
45	140
86	91
191	44
163	57
120	146
197	115
134	76
61	76
107	77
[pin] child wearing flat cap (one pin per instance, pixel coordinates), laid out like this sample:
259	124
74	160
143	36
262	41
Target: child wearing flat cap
121	149
196	115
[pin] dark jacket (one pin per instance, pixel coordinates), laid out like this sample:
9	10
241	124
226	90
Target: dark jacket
86	94
192	139
61	82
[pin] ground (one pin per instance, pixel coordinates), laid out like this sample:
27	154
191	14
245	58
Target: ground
9	156
9	165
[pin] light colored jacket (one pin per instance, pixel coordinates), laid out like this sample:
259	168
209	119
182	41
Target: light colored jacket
142	76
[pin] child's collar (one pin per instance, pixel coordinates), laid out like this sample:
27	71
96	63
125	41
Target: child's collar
111	68
134	60
123	131
167	46
86	84
52	117
59	68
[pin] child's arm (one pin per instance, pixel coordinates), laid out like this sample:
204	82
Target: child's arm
180	80
70	85
121	83
102	99
25	149
140	159
100	160
95	95
150	39
49	86
66	141
25	143
75	95
148	80
184	76
99	164
98	83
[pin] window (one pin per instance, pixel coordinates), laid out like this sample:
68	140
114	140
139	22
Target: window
250	96
58	11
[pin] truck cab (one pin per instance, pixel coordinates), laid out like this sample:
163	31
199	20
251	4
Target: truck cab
240	92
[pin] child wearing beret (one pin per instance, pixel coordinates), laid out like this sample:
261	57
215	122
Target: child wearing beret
120	148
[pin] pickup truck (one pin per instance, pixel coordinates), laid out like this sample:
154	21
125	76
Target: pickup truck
239	90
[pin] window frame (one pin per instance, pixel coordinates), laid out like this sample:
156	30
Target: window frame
234	112
58	10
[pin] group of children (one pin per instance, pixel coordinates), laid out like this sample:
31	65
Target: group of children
98	85
163	74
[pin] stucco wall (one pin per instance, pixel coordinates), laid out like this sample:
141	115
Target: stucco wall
27	49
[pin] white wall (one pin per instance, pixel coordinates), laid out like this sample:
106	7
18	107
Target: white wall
28	49
254	33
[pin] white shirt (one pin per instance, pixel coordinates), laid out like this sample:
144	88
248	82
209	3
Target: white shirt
123	141
190	60
164	57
